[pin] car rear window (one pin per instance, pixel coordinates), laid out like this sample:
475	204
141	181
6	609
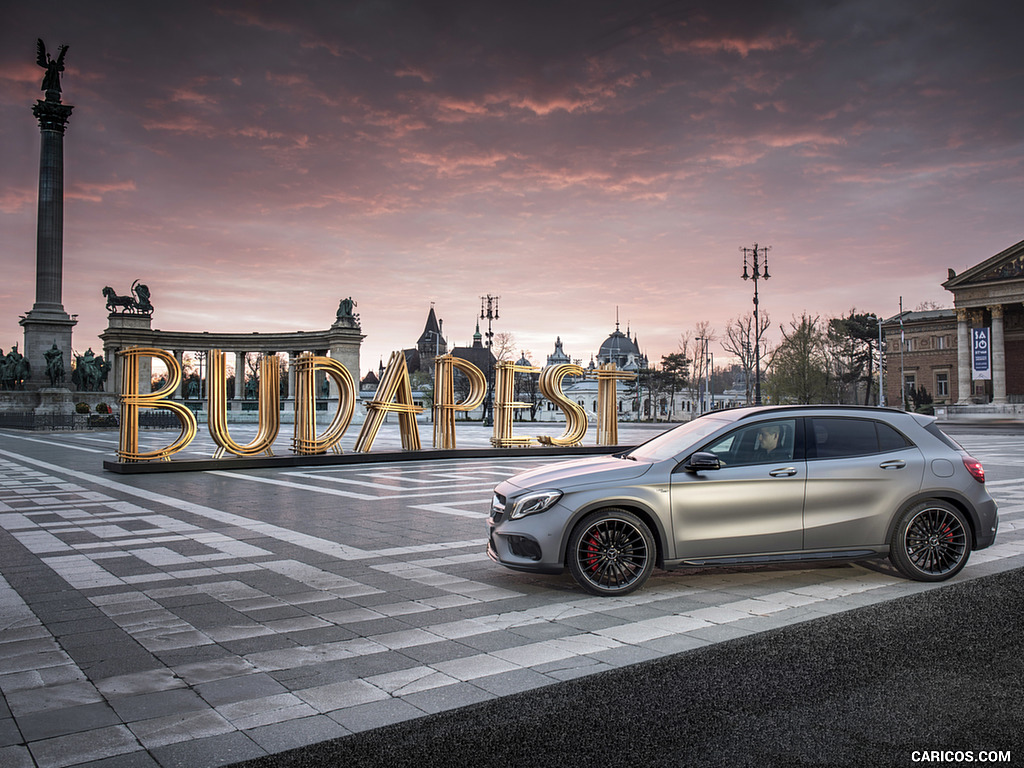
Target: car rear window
934	430
833	438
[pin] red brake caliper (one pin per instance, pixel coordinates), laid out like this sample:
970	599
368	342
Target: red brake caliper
592	551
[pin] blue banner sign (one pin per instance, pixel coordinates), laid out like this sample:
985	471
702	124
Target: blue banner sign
981	360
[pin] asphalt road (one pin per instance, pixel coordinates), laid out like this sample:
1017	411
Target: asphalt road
936	671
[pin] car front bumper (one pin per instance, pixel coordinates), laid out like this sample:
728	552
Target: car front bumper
532	543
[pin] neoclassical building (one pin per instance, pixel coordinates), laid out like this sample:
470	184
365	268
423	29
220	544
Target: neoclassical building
341	342
937	346
991	294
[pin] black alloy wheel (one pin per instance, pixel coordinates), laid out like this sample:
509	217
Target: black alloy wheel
611	552
931	542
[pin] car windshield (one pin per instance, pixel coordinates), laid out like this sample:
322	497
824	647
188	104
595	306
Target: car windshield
675	441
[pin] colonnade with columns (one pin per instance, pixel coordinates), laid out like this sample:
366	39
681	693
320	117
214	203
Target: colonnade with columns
340	342
966	318
241	358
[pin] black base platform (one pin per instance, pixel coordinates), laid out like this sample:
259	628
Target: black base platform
330	459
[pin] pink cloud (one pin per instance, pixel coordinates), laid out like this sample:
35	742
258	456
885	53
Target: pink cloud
94	193
744	46
15	200
415	72
185	124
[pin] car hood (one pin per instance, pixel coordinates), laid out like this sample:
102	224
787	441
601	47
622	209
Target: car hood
569	474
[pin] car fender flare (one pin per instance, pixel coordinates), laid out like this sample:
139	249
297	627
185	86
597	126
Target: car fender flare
955	498
642	510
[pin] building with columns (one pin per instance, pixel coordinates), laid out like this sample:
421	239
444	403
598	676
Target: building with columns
933	349
340	342
991	294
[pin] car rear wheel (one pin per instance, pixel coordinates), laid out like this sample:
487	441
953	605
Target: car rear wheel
931	542
611	552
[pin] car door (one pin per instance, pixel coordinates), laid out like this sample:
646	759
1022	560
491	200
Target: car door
859	473
753	504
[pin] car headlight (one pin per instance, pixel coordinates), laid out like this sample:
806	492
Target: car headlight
532	503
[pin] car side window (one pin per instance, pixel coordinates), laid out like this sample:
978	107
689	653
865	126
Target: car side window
833	438
889	439
766	441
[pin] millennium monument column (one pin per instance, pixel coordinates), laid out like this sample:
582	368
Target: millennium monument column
47	323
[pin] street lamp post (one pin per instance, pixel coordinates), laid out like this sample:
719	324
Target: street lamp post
702	351
752	255
710	389
746	371
489	312
437	354
881	367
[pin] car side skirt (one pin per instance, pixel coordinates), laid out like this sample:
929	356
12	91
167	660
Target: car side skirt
781	557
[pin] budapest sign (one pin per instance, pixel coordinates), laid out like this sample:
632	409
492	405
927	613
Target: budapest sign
394	395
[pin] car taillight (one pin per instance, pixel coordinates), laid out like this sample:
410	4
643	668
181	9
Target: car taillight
974	467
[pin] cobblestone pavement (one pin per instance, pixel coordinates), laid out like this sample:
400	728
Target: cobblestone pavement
206	618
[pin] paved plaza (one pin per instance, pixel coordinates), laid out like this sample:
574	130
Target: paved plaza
200	619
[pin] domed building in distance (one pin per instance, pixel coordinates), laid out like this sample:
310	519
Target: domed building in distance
624	351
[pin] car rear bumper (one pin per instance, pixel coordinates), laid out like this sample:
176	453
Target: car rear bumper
988	525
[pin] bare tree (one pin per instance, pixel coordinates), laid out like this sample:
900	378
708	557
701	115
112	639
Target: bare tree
695	346
504	346
740	338
527	386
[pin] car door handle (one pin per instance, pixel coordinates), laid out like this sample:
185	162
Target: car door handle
784	472
894	464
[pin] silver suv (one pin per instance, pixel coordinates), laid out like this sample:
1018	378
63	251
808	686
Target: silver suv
752	486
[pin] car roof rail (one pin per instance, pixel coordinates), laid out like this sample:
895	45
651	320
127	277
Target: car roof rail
760	410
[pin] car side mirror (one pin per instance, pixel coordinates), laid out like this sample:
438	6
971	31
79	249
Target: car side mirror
702	461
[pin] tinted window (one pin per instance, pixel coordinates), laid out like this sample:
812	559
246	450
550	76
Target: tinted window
933	429
889	439
834	438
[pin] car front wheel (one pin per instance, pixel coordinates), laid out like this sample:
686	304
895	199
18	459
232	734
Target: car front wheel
932	542
611	552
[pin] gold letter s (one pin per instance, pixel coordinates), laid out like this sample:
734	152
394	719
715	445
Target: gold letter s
575	416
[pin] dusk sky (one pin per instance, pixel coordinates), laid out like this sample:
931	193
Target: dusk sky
255	162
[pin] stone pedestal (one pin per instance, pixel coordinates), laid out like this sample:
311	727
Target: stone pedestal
18	401
43	328
127	324
345	338
54	401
